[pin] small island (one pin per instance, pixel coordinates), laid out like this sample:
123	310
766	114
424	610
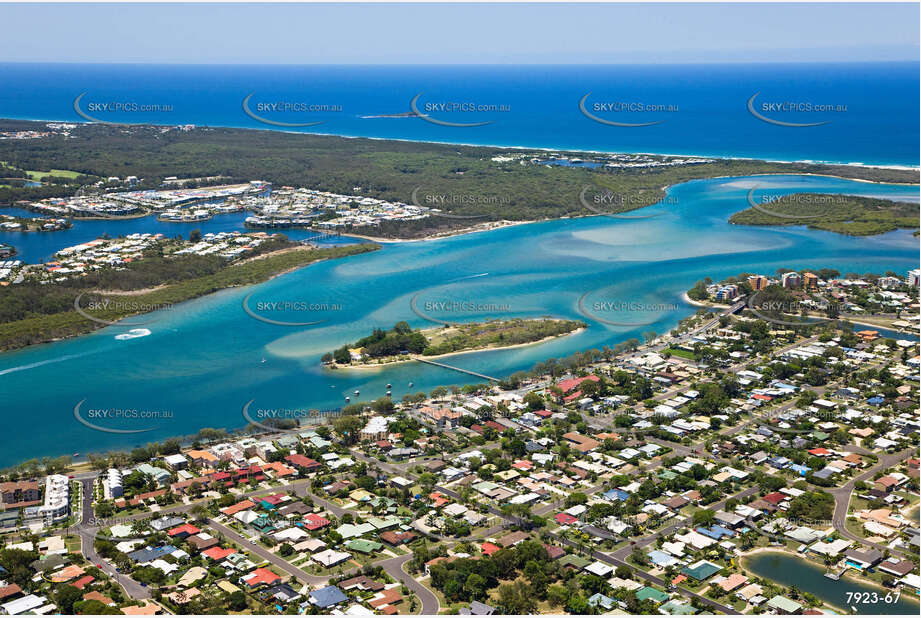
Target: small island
843	214
400	343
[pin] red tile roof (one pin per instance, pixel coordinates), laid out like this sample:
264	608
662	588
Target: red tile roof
218	553
186	529
568	385
489	549
261	576
312	521
565	519
239	506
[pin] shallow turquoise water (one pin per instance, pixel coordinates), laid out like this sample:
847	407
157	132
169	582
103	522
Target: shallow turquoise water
204	359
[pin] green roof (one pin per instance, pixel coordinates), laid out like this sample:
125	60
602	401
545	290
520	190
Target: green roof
667	475
701	571
784	604
648	592
677	608
364	546
386	522
575	561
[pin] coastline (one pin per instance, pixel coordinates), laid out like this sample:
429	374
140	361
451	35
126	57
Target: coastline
462	231
336	367
560	149
698	303
89	328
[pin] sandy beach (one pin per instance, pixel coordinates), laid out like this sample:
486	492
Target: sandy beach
337	367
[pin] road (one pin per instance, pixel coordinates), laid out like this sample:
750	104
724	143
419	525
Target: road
843	499
87	531
394	568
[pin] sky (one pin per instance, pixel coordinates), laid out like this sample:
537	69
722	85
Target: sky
458	33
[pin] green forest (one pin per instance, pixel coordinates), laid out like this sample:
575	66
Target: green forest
383	169
844	214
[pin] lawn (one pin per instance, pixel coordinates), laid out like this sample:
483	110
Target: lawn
37	175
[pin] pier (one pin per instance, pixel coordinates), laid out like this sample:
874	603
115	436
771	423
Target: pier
467	371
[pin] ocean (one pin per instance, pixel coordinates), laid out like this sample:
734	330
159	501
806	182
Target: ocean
863	113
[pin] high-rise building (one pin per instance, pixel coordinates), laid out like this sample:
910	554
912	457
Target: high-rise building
914	278
810	281
791	279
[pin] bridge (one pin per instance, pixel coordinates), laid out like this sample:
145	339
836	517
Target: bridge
467	371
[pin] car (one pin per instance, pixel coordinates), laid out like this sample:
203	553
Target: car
98	566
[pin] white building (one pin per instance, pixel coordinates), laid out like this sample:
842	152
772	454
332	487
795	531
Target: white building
112	487
57	498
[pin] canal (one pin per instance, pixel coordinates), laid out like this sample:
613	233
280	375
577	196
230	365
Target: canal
790	570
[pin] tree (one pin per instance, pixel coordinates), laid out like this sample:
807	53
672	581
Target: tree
475	586
65	596
516	598
237	601
557	595
349	427
704	517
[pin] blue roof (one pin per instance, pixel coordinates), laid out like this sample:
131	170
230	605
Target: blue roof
660	558
801	469
616	494
327	597
600	599
875	401
715	532
149	554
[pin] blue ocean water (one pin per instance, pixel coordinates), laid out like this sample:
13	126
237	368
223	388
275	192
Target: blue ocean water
205	359
870	110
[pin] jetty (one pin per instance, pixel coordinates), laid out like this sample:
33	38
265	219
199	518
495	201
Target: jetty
835	576
467	371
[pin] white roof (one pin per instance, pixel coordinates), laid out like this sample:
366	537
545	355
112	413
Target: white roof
23	605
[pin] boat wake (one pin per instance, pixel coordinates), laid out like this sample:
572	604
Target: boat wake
134	333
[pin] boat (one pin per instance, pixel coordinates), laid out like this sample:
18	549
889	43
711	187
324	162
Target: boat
357	392
410	385
388	387
388	393
134	333
263	359
348	398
